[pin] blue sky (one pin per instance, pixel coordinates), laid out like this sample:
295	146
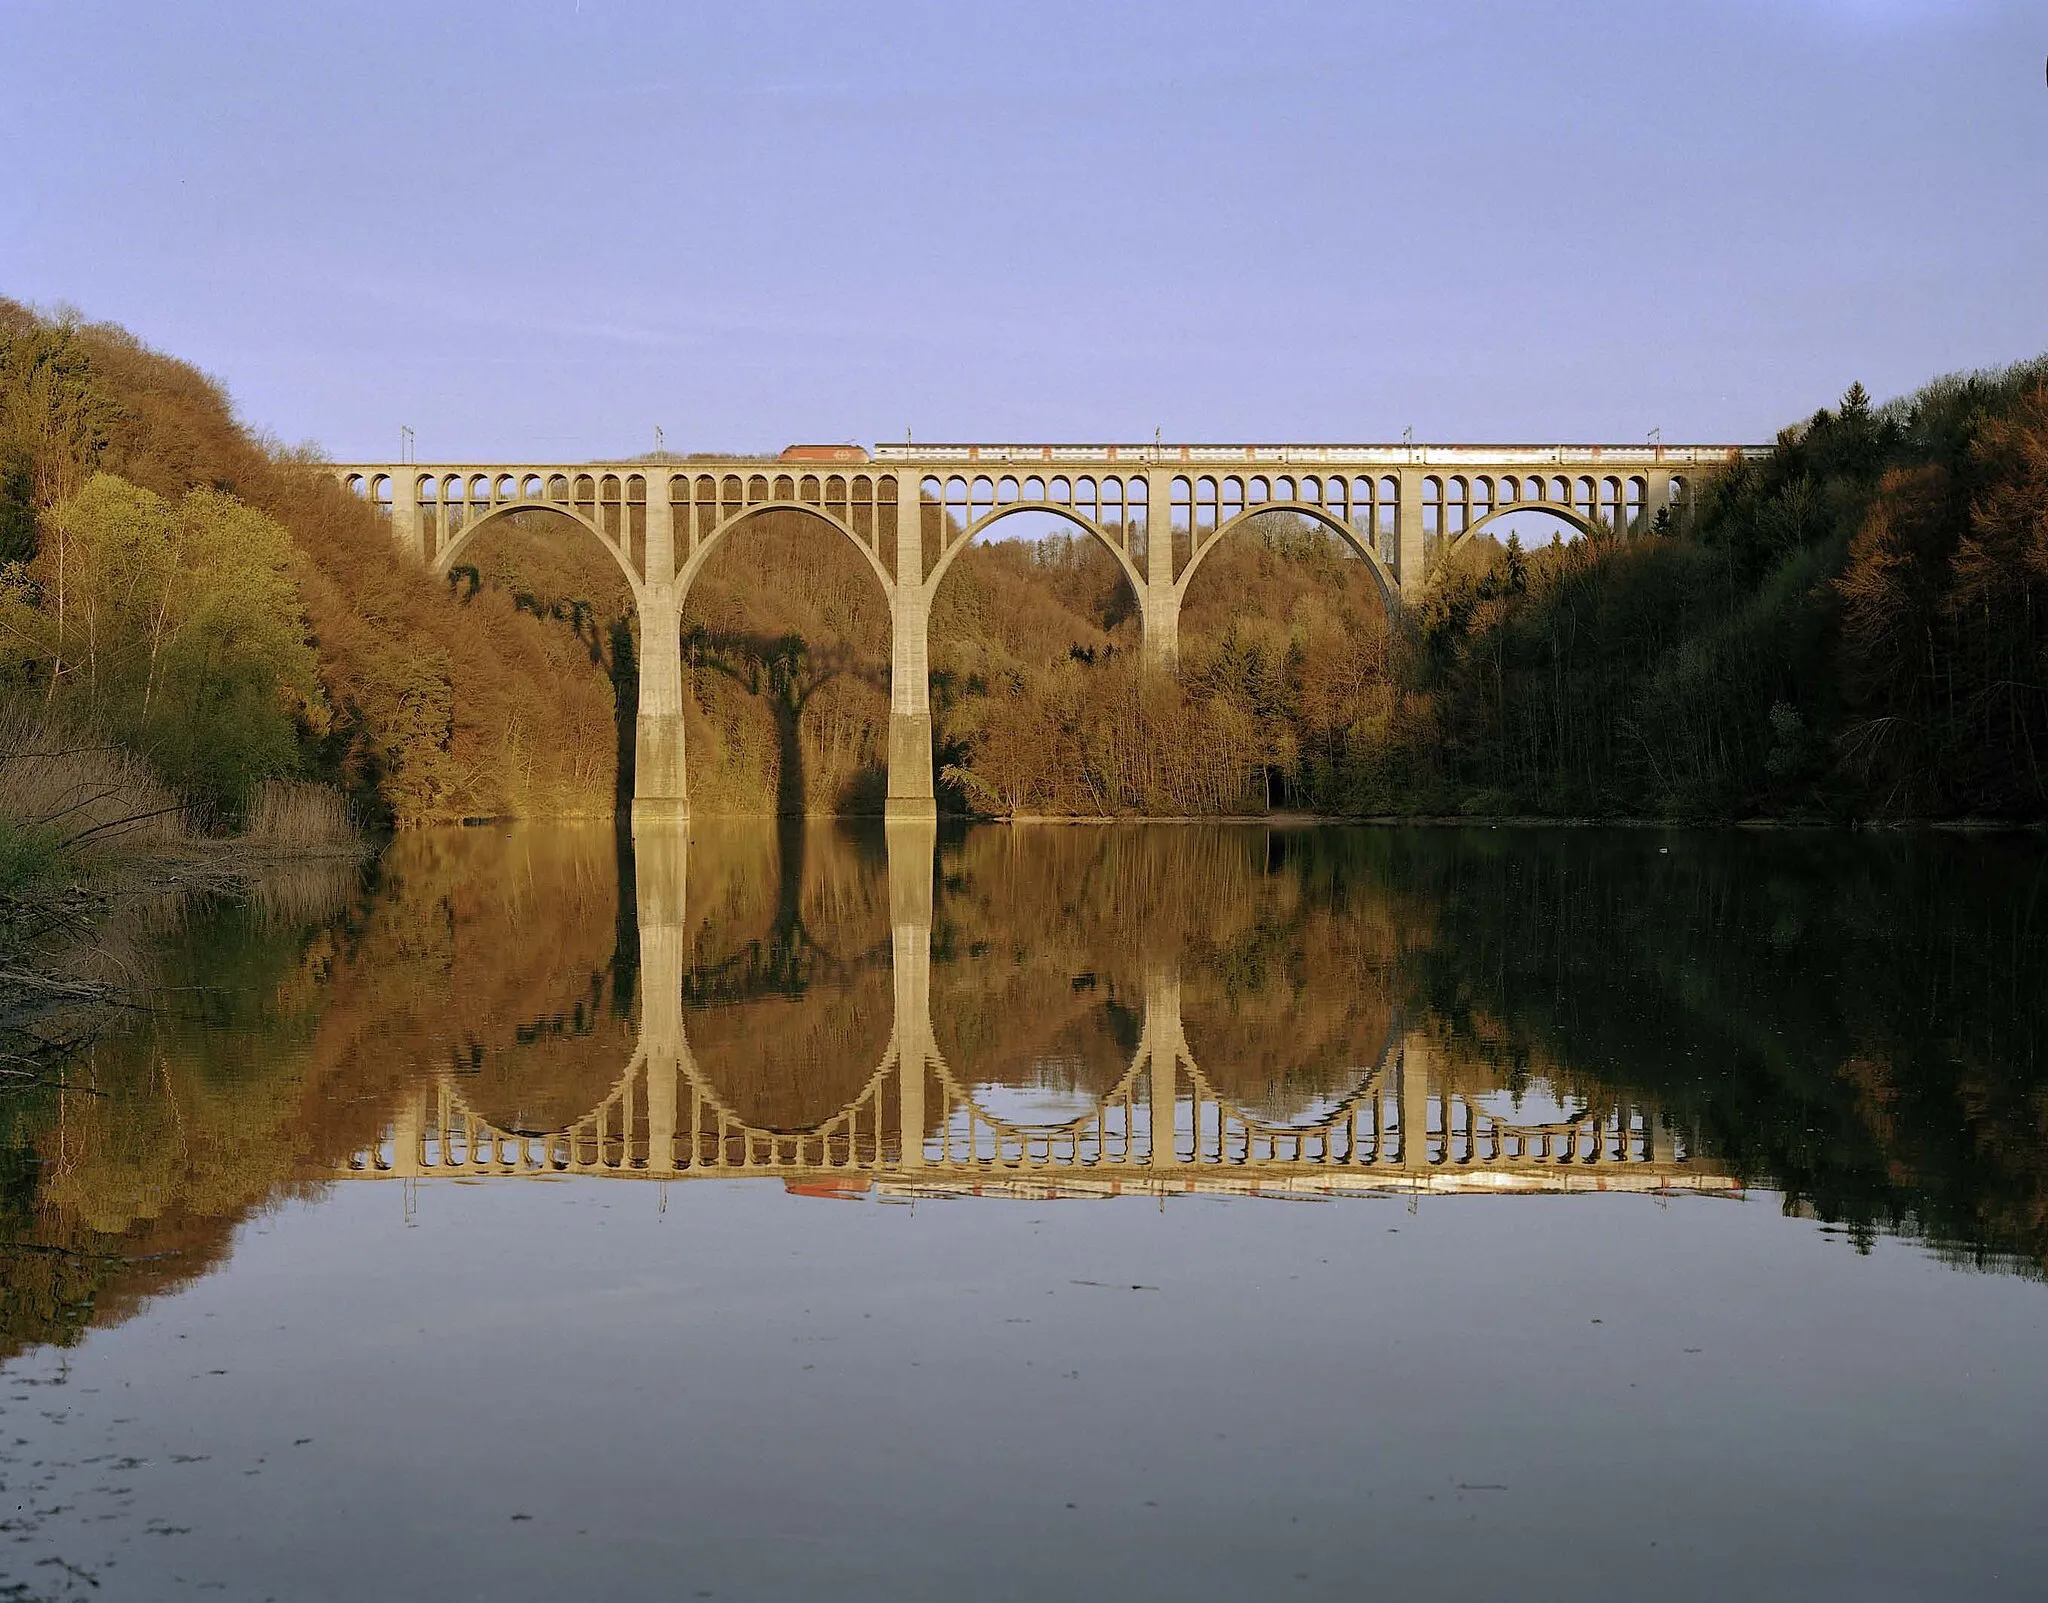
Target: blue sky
543	230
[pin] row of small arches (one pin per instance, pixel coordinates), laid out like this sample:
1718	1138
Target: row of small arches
1358	499
1452	506
831	490
1365	507
1107	499
483	489
1111	497
1365	504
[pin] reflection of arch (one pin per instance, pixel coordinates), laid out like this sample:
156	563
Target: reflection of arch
788	1060
1397	1119
1390	587
619	1135
707	542
958	542
1108	1134
840	1141
1366	1130
446	558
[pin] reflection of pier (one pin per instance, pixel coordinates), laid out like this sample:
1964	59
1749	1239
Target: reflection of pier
917	1126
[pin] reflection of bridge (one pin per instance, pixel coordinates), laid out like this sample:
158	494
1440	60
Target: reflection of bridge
918	1124
910	510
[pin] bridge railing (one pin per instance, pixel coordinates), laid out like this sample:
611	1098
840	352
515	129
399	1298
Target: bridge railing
1379	455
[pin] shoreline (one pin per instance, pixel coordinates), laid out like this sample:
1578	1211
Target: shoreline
1960	826
1367	821
54	956
1291	820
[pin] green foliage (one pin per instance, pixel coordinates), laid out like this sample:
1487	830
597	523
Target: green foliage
29	856
177	627
17	506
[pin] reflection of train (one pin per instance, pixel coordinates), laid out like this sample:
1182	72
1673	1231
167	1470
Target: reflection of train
823	453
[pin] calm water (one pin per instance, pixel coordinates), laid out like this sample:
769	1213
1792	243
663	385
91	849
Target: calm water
1201	1213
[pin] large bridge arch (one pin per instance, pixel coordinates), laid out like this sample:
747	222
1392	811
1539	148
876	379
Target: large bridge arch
704	503
1619	500
705	544
843	1139
1364	550
448	508
1563	514
1134	577
449	556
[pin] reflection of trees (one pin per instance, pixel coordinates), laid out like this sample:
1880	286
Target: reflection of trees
1040	954
181	1123
1291	998
1864	1024
1045	939
496	956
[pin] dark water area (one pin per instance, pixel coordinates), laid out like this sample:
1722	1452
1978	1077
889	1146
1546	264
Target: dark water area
1206	1212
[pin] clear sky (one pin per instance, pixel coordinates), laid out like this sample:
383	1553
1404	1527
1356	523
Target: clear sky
547	229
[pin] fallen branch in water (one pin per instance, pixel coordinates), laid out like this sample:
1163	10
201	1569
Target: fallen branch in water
77	990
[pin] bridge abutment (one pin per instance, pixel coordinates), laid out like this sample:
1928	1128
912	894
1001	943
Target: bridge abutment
1414	1105
661	788
1159	609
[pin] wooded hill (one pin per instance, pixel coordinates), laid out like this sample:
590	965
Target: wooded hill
1856	626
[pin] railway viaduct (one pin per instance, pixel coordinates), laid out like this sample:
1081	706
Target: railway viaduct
911	509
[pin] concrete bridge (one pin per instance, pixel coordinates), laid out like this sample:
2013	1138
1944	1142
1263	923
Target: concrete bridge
911	509
1408	1123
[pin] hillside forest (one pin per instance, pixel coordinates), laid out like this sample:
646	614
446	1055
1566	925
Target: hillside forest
1854	627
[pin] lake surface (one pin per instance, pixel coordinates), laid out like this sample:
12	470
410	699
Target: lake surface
766	1212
